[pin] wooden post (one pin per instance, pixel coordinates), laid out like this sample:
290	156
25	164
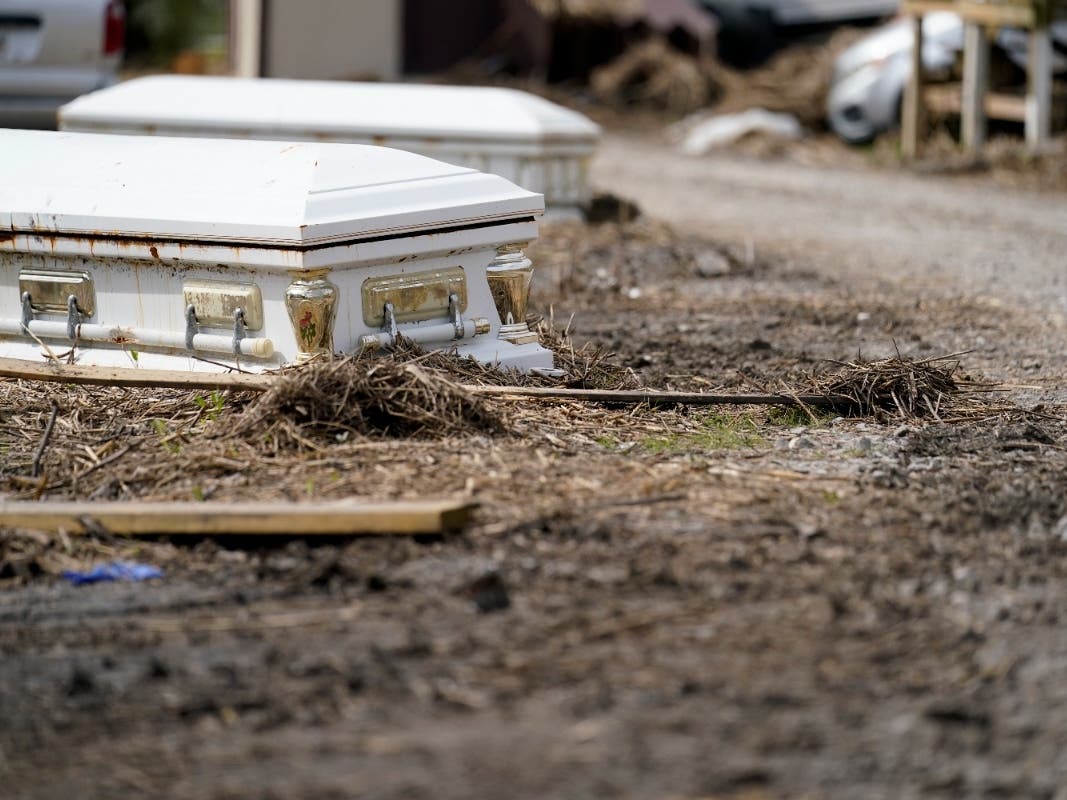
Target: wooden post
912	112
975	82
246	38
1039	89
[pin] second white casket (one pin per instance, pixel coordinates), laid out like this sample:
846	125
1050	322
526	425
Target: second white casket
204	254
530	141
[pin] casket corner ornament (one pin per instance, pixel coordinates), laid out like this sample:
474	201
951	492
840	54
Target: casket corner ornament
510	275
311	301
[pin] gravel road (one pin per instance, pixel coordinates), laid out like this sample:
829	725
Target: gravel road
954	235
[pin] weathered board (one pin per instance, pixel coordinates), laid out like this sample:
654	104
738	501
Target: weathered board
406	517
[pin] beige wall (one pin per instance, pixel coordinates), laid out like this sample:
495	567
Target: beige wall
332	39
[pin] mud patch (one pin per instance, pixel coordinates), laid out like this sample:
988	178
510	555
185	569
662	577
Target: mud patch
841	607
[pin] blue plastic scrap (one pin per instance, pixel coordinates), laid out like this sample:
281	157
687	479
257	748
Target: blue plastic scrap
114	571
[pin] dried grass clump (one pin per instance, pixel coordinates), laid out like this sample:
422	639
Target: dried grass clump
409	393
900	386
332	399
585	367
655	75
461	369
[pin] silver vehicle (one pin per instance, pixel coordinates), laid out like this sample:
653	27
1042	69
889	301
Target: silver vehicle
52	51
869	78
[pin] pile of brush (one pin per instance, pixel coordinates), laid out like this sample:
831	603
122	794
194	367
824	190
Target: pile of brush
585	367
899	386
655	75
333	399
409	393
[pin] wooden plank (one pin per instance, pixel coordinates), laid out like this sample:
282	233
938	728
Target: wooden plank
1039	89
255	519
119	376
975	83
946	99
912	113
994	15
1011	107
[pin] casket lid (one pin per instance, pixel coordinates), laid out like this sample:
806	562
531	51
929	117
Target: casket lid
280	194
271	108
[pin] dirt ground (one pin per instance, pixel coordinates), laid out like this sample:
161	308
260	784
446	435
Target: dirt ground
741	603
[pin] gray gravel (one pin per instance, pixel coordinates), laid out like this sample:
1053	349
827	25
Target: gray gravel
954	235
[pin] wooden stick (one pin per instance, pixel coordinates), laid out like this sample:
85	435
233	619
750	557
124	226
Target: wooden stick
629	397
107	376
35	471
176	518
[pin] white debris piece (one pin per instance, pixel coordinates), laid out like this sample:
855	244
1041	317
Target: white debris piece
700	134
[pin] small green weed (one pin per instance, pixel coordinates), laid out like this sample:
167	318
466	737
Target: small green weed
793	417
164	433
662	444
717	431
608	442
212	405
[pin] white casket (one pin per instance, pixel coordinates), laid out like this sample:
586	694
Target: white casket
530	141
204	254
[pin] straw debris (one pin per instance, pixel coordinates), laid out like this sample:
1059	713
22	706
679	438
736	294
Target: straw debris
655	75
905	388
332	399
589	366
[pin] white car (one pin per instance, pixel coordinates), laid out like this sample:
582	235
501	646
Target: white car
52	51
869	77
